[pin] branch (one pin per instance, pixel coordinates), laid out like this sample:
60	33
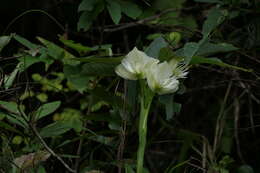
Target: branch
49	149
35	131
140	22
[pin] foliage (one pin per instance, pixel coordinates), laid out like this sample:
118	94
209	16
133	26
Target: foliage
63	108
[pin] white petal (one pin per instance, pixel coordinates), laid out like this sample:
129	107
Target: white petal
124	73
160	78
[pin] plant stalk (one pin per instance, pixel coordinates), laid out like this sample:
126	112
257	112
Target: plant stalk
146	100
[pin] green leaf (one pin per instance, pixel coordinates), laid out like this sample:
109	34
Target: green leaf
8	80
207	48
25	42
166	54
75	76
154	48
215	61
47	109
76	46
170	106
87	17
6	126
26	61
54	129
189	50
10	106
85	21
4	40
53	50
114	10
87	5
167	100
215	17
57	52
130	9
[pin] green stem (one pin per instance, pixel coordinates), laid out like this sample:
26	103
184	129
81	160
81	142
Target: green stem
146	100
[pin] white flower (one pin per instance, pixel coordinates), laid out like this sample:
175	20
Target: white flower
134	64
179	70
160	78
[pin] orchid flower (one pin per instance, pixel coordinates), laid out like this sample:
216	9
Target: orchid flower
133	65
179	70
160	78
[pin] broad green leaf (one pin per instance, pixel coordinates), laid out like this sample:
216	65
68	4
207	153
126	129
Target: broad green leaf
85	21
154	48
87	5
75	76
87	17
53	50
130	9
17	119
25	42
215	17
57	52
189	50
10	106
54	129
167	100
114	10
27	60
14	113
215	61
4	40
207	48
170	106
166	54
47	109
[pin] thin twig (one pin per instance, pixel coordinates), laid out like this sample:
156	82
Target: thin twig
140	22
220	120
236	121
35	131
49	149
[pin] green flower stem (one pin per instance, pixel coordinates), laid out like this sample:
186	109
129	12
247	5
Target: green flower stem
146	100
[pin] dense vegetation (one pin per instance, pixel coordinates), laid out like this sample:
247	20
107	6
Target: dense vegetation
64	109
